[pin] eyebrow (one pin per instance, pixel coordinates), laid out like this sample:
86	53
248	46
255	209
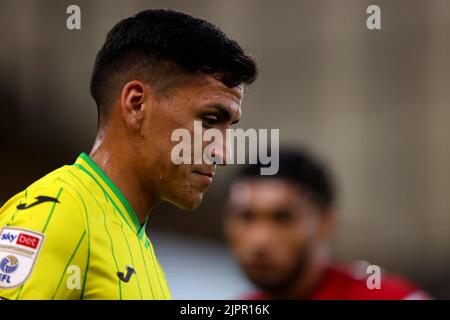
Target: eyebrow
224	112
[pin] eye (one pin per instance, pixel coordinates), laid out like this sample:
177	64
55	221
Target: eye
246	215
283	216
210	120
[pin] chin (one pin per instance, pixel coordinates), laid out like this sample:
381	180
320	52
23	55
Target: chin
188	202
266	283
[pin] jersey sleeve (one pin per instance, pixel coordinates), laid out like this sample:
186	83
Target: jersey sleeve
44	245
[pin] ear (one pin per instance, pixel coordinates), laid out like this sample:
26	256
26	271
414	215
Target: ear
134	95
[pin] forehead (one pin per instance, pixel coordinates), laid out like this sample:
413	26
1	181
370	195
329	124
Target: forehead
264	193
204	87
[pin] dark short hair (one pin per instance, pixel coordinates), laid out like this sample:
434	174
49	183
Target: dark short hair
156	44
301	168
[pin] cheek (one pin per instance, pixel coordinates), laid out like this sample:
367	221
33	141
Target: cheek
302	237
291	241
237	236
162	121
159	144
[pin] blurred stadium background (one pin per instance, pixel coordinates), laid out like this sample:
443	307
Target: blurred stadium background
373	104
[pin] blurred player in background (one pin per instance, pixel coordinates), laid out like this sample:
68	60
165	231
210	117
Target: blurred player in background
79	232
279	228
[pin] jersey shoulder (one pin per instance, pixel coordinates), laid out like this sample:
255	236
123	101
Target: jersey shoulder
54	196
359	283
351	282
43	228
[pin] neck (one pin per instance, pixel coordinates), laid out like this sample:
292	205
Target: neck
121	170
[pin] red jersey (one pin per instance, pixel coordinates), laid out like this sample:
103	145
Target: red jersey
338	283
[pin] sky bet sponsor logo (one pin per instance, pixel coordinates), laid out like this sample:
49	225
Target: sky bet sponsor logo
22	239
28	241
9	237
19	250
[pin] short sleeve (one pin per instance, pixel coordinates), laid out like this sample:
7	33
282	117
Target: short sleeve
43	244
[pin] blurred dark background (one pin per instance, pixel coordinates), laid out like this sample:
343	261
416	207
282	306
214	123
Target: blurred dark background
373	104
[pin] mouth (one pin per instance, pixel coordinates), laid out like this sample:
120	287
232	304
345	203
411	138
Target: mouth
209	172
260	267
205	176
260	263
211	175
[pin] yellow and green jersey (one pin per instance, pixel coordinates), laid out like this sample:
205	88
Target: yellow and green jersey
73	235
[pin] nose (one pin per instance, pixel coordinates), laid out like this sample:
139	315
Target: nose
218	157
259	236
219	154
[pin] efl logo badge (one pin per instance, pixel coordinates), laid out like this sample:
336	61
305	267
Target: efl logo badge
19	249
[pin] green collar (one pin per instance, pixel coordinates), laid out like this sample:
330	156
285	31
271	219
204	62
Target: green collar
112	192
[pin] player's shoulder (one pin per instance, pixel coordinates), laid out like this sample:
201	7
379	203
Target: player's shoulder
64	179
42	225
55	192
366	282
